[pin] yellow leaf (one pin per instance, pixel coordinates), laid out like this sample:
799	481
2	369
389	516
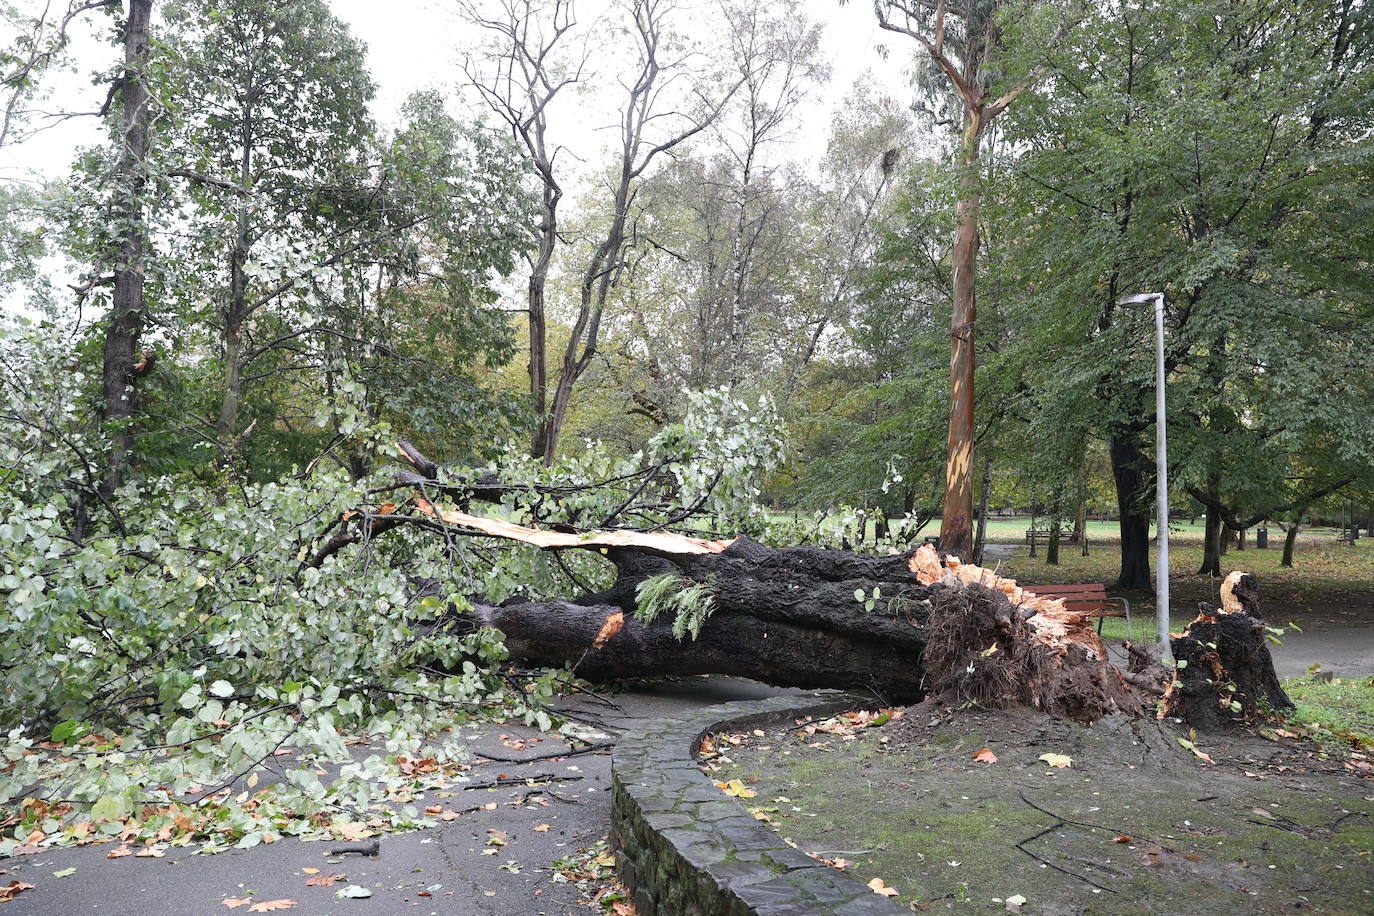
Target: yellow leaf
1057	760
542	828
311	871
878	887
736	788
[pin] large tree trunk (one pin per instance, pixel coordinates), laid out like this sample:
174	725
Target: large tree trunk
956	523
127	313
1132	502
1211	545
904	626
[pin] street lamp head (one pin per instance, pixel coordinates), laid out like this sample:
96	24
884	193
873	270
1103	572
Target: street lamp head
1139	299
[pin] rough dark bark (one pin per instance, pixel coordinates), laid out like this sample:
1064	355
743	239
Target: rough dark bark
1211	545
119	397
904	626
1132	488
1224	673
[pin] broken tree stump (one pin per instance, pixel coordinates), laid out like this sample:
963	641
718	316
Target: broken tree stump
1224	674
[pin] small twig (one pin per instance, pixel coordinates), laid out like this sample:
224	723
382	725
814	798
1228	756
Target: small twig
363	849
554	755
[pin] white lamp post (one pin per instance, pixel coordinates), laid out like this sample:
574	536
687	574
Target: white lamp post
1161	475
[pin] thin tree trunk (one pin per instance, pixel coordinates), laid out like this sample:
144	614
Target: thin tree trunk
1224	541
982	540
1128	465
1289	541
119	398
1052	548
956	529
1080	526
538	349
236	310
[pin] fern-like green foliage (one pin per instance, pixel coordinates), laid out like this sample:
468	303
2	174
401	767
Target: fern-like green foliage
690	602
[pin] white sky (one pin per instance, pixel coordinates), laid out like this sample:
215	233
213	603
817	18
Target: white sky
416	44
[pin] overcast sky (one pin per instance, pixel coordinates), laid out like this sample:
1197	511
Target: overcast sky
416	44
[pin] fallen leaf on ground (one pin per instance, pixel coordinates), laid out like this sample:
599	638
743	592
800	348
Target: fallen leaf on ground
150	852
878	887
1015	902
7	891
497	837
234	903
311	871
1057	760
64	873
119	853
353	891
736	788
272	906
435	809
542	828
986	756
328	880
1122	839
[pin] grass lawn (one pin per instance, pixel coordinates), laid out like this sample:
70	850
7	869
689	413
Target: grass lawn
1343	707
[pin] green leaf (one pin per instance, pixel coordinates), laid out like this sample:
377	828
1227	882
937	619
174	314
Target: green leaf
222	688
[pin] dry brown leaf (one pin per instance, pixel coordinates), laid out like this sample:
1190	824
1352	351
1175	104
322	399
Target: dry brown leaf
434	809
234	903
311	871
613	624
324	880
150	852
272	906
542	828
1122	839
119	853
8	891
986	756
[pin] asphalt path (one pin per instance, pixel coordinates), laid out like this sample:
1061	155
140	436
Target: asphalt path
449	862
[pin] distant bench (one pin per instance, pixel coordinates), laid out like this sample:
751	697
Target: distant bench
1041	532
1091	599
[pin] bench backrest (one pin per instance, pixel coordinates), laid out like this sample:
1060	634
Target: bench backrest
1090	597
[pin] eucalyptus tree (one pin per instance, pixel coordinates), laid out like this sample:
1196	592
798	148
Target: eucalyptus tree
964	40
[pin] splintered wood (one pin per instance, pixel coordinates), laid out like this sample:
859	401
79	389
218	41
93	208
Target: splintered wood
655	541
1054	624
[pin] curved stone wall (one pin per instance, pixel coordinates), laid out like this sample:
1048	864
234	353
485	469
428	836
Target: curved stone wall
686	849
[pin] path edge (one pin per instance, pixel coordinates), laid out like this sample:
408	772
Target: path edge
686	849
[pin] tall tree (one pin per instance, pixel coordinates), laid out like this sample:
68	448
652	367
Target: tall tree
962	39
272	126
122	364
519	75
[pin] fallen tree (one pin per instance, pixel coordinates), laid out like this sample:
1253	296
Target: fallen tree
904	626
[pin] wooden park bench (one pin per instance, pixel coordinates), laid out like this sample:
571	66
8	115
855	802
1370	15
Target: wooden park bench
1040	533
1091	599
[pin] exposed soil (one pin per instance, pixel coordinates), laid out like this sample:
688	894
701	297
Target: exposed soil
1137	823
